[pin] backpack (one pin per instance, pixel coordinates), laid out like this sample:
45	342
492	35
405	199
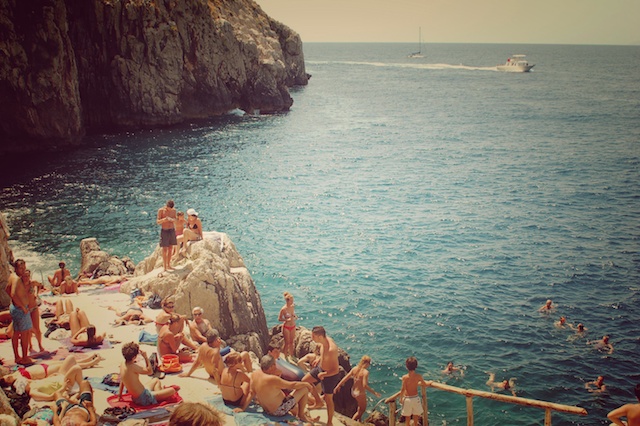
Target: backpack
154	301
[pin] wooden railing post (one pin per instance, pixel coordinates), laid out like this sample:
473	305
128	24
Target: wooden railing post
547	417
469	410
425	407
392	413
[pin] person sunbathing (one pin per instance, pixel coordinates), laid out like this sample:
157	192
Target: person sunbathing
105	279
132	314
83	333
43	380
75	411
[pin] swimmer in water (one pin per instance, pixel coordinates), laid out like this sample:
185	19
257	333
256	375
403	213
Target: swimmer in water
507	385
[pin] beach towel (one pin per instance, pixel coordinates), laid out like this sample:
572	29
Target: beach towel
99	383
253	416
148	338
127	401
106	344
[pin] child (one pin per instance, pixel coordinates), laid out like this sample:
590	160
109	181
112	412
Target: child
129	372
411	403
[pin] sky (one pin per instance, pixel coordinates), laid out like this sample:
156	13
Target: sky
461	21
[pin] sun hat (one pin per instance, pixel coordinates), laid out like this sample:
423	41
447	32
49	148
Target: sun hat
192	212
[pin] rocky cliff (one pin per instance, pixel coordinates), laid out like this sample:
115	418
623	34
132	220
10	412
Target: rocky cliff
212	276
68	68
6	259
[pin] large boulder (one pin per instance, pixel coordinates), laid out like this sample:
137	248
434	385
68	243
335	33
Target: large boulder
97	263
6	259
212	276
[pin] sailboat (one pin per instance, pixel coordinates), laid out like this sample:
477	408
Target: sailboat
418	54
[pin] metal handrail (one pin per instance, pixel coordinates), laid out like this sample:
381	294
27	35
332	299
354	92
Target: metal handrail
470	393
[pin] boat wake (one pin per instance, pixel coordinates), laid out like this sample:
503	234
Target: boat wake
406	65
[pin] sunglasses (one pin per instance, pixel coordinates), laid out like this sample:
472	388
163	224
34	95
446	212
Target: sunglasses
169	306
197	315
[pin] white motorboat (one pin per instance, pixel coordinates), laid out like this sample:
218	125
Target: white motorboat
516	63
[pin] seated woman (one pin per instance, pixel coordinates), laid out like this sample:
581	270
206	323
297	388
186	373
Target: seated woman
235	384
67	286
62	313
43	380
83	333
179	225
75	411
193	231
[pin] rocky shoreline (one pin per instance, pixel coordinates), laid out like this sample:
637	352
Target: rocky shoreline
211	275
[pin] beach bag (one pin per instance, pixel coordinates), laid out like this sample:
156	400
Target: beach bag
111	379
170	364
154	301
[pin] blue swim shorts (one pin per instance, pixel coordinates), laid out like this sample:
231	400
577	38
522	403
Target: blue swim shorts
21	321
145	398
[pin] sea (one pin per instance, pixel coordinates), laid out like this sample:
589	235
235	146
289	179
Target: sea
419	207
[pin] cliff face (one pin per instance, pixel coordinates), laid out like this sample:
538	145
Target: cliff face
6	259
68	68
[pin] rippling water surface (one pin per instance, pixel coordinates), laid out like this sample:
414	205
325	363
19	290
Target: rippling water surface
413	207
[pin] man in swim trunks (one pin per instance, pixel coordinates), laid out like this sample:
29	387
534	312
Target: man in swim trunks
268	388
129	378
19	286
166	219
208	356
325	370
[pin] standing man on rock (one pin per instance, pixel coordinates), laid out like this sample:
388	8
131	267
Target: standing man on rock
326	370
166	219
20	286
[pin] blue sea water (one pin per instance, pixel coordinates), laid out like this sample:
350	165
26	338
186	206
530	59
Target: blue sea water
421	207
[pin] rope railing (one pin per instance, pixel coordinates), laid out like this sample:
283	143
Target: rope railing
548	407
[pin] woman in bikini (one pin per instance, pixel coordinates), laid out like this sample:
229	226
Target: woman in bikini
180	223
75	411
43	380
234	383
193	231
360	376
288	317
83	333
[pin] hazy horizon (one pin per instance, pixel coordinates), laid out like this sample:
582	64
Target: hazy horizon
588	22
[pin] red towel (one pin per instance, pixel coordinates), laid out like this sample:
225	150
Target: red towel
127	401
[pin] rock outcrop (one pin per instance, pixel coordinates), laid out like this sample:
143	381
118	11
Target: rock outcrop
69	68
6	259
214	277
97	263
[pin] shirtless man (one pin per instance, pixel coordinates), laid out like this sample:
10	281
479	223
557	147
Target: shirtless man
129	378
176	325
596	386
630	411
268	388
602	344
19	286
507	385
199	326
59	276
325	370
208	356
166	219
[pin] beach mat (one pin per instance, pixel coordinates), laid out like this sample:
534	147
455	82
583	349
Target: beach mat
97	383
254	415
66	342
127	401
